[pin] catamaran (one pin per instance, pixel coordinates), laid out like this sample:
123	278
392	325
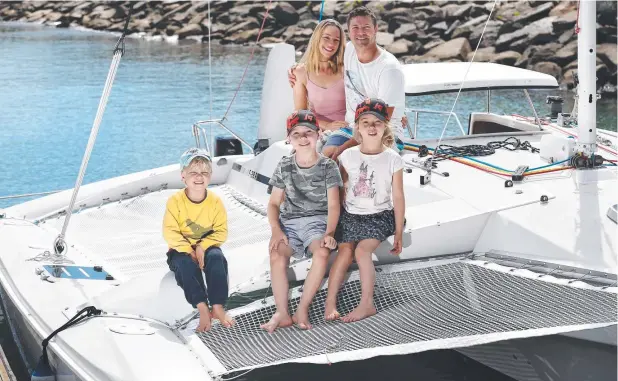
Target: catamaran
509	249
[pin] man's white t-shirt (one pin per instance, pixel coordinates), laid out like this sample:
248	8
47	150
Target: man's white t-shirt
370	180
381	78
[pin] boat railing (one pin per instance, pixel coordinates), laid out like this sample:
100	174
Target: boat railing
416	111
200	129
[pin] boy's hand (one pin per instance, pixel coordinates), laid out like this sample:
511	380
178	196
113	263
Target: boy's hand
397	245
277	237
329	242
199	252
194	257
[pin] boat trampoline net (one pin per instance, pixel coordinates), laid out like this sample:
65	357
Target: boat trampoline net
455	304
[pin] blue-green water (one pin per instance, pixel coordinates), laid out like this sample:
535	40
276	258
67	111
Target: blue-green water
51	81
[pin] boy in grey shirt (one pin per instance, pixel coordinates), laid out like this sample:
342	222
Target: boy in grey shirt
303	212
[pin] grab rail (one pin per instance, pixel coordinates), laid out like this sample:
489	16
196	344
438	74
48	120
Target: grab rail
198	127
417	111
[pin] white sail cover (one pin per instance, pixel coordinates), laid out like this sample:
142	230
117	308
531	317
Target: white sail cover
428	78
432	305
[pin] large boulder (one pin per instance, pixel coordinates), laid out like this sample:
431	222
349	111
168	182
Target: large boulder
490	36
606	12
607	54
457	48
286	14
189	30
384	39
482	55
539	32
565	54
548	68
506	58
403	47
537	53
249	23
535	14
565	22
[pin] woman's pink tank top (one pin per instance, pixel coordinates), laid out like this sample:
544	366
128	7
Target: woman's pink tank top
327	103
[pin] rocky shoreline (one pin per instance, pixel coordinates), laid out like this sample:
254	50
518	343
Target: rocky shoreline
537	35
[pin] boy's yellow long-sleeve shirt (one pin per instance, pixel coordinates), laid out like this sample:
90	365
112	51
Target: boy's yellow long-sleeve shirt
185	222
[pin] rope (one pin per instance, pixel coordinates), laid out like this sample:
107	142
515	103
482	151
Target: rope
27	195
80	316
465	76
250	59
321	10
481	150
445	151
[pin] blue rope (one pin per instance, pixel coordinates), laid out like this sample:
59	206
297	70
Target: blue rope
321	10
548	165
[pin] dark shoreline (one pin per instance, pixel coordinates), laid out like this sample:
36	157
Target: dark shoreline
536	35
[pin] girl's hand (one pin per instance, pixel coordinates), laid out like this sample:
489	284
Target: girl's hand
397	245
336	153
329	242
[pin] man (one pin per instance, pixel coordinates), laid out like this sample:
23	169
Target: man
370	72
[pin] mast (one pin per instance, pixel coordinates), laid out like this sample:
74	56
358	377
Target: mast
586	70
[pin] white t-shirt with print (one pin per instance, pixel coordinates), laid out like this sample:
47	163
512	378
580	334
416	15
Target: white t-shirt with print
381	78
370	180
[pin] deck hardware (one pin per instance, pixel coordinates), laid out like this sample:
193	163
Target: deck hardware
518	175
508	183
544	198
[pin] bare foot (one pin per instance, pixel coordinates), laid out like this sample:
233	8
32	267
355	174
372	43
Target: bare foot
331	313
218	312
205	319
278	320
301	319
359	313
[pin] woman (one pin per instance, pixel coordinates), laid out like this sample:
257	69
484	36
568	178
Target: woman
319	78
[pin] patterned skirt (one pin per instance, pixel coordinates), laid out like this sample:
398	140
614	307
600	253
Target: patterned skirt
357	227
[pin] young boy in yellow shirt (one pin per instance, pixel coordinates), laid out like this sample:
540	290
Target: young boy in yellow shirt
194	227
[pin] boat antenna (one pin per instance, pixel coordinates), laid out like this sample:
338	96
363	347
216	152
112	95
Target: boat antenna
60	246
427	178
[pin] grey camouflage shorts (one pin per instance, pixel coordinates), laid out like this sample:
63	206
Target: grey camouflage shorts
302	231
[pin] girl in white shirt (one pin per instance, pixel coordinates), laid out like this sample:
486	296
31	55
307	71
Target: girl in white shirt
373	207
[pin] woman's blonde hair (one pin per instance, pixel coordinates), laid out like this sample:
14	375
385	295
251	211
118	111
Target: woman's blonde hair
312	55
388	139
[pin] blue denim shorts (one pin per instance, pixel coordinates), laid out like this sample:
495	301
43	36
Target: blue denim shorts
302	231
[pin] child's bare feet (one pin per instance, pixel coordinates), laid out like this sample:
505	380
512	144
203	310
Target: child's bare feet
278	320
331	313
360	312
219	313
205	320
301	319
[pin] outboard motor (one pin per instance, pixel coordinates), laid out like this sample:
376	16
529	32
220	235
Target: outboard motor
227	146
